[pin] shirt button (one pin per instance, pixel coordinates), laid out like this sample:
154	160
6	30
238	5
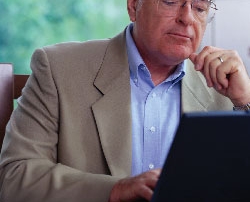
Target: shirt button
151	166
154	95
152	129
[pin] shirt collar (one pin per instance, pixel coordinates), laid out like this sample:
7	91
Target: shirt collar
134	57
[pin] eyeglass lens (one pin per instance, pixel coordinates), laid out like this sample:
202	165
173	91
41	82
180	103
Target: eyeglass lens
203	10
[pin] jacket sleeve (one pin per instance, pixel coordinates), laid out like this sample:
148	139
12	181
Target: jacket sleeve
29	170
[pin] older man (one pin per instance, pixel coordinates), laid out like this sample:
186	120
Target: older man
96	119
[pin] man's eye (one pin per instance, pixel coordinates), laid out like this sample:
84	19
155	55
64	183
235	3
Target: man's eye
201	6
170	3
200	9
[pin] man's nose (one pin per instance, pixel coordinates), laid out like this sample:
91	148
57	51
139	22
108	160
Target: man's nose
185	14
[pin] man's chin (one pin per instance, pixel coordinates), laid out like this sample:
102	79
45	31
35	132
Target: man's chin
183	52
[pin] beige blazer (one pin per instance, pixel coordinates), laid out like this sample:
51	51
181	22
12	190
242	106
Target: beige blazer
70	138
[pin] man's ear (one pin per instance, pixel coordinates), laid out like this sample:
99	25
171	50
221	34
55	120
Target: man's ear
132	6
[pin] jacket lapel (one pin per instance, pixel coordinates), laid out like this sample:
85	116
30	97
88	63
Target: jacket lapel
113	111
195	95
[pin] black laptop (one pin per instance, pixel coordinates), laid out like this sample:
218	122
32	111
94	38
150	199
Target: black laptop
209	160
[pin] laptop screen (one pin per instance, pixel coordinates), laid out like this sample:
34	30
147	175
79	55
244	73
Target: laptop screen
209	159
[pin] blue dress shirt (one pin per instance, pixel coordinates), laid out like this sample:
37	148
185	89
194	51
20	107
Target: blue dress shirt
155	111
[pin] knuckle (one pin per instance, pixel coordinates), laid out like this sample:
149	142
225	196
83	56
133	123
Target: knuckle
207	48
213	64
235	53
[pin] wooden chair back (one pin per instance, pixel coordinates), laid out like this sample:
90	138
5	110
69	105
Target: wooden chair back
10	88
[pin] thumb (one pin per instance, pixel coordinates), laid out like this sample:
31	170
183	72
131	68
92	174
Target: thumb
193	57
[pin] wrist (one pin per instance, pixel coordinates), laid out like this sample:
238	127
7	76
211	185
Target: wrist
245	107
243	100
114	195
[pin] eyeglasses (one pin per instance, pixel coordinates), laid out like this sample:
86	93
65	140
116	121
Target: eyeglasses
203	10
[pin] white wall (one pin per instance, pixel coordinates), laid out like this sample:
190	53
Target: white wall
231	28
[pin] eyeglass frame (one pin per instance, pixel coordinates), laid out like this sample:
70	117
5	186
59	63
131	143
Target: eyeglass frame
212	6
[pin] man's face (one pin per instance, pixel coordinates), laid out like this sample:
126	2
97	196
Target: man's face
161	39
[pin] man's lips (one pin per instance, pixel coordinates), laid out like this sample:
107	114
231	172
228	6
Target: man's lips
180	35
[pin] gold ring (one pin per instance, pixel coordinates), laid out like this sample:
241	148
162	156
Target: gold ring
221	60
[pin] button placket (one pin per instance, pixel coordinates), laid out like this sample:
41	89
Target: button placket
151	132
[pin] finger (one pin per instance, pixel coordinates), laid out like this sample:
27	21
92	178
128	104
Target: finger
227	69
212	62
223	76
192	57
211	67
207	74
135	188
221	65
148	190
145	193
150	180
215	71
206	51
156	172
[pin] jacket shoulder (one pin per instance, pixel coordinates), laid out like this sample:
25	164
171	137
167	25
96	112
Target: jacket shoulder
92	47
